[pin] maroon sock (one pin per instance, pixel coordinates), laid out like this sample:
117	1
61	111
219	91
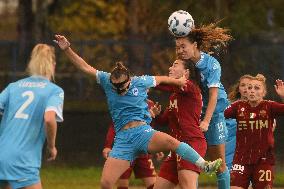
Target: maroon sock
122	187
150	187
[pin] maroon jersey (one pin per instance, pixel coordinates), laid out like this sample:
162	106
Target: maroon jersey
183	113
111	132
255	138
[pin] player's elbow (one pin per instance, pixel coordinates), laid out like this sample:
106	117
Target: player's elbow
49	118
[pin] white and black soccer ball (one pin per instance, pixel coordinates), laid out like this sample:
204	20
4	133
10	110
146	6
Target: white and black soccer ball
180	23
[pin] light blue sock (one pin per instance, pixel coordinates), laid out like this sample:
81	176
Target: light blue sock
223	179
188	153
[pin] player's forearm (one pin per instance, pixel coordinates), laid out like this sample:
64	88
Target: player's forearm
79	62
168	80
51	130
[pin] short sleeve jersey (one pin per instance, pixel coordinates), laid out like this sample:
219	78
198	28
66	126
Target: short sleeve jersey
210	71
254	139
129	107
22	134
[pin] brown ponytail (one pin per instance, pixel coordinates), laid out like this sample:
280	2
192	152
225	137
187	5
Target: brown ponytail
210	37
119	70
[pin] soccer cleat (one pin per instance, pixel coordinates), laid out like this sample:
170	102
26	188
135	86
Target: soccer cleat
211	167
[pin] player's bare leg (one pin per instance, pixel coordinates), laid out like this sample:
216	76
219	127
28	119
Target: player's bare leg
187	179
162	183
113	169
34	186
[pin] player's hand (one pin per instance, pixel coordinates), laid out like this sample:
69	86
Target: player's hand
182	81
204	125
52	153
62	42
106	152
160	156
155	110
279	88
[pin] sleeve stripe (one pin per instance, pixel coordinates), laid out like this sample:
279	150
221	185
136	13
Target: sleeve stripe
59	117
214	85
154	81
97	76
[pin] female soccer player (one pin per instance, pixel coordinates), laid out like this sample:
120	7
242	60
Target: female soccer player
193	47
30	107
254	158
183	118
237	92
142	166
126	98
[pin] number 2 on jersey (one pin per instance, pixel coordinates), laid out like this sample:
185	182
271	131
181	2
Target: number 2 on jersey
20	113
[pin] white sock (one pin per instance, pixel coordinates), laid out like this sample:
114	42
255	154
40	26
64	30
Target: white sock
200	162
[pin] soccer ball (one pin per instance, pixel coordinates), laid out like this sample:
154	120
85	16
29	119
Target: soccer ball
180	23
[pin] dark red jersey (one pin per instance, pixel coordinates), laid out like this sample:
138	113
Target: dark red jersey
183	112
111	132
255	138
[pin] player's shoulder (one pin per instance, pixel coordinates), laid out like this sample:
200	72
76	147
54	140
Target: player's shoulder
213	63
239	102
268	102
140	79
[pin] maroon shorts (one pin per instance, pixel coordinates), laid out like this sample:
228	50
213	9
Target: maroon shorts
142	166
173	163
261	175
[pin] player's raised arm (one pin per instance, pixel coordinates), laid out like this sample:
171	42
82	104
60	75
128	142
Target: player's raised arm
79	62
279	88
170	81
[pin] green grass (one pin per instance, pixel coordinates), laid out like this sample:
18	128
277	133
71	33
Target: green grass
89	178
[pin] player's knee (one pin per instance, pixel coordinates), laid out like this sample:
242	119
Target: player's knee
106	184
172	143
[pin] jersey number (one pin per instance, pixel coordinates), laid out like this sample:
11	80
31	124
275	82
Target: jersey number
265	175
20	113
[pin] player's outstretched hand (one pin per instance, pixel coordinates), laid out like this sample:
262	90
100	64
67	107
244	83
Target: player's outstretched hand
160	156
183	81
279	88
204	126
62	42
106	152
52	153
155	110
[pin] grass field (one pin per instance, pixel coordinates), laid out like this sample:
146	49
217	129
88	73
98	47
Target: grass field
89	178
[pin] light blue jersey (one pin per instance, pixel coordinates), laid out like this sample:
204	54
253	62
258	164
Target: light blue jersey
22	133
210	72
129	107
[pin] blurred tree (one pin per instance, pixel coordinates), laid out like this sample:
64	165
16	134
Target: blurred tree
25	29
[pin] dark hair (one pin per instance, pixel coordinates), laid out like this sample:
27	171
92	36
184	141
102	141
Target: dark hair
119	70
194	73
209	37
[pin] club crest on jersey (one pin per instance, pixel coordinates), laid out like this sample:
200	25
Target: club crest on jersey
242	112
262	113
135	91
252	115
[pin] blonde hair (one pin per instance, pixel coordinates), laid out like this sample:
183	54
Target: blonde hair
234	93
262	79
42	61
